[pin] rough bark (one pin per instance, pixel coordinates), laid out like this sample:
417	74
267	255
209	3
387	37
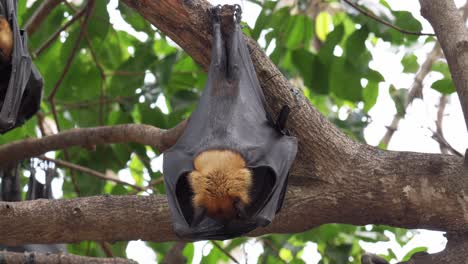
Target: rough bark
396	188
45	258
452	33
334	180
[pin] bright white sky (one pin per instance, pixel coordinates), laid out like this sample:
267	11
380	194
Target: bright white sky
413	132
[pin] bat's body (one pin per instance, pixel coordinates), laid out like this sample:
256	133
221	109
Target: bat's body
21	83
227	172
6	40
221	183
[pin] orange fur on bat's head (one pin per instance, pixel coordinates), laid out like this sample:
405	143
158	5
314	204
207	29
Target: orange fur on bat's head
221	184
6	40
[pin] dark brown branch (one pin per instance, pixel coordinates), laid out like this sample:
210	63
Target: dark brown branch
40	15
143	134
452	33
47	258
91	172
378	19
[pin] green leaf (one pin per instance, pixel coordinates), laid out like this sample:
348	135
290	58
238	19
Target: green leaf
370	94
412	252
322	25
299	32
443	68
345	82
444	86
133	18
399	97
326	51
406	20
410	63
189	252
264	19
355	49
313	72
215	255
355	44
98	25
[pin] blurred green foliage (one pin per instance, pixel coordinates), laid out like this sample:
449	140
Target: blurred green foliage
325	54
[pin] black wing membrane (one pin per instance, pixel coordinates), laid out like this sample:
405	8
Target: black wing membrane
231	115
22	84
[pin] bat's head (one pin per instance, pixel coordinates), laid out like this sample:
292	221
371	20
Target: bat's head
6	40
221	184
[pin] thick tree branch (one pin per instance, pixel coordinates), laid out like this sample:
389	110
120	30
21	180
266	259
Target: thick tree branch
452	33
397	188
47	258
85	137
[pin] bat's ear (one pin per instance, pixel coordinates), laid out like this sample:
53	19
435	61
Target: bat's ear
198	215
240	208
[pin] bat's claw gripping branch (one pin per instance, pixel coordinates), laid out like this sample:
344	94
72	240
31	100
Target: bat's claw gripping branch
215	13
237	13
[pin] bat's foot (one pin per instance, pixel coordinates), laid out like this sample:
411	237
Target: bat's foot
237	13
216	13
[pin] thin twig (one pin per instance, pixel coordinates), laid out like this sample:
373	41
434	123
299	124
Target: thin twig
106	247
51	98
56	34
273	248
124	73
225	252
40	15
89	9
415	92
442	141
380	20
40	123
438	135
90	172
175	254
103	80
64	106
440	118
150	185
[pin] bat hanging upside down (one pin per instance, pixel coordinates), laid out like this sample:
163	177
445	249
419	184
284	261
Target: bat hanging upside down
221	183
